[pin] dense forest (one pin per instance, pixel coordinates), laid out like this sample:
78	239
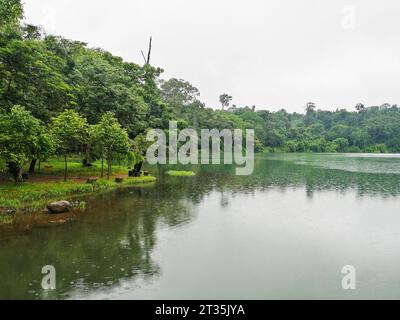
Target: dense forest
58	96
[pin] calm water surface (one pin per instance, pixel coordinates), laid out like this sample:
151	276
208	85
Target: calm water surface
284	232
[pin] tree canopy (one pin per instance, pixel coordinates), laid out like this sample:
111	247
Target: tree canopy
22	137
113	139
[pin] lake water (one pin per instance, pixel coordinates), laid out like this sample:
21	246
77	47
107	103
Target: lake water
284	232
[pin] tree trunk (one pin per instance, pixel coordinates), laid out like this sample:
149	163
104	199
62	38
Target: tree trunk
109	164
102	166
32	166
16	171
149	53
88	159
65	168
9	84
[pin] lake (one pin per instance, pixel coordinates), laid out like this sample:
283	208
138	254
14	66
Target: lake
284	232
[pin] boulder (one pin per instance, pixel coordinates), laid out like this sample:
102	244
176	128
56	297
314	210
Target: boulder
119	180
59	207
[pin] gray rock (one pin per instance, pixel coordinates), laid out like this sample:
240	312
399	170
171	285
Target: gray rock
59	207
9	212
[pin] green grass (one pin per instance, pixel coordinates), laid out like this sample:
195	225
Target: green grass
55	167
174	173
35	196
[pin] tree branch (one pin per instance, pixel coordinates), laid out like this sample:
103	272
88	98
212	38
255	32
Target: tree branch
144	58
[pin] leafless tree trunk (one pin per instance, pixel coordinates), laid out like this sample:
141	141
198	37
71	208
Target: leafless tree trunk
147	60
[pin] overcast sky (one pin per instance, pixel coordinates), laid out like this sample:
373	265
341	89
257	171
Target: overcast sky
273	53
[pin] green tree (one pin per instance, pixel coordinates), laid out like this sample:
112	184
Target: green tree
11	12
113	139
71	131
310	108
225	100
342	144
22	137
179	93
360	107
30	75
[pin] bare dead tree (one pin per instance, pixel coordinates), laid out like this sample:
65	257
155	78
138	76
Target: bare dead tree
147	60
149	53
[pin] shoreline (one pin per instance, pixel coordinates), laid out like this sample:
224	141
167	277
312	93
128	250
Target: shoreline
31	198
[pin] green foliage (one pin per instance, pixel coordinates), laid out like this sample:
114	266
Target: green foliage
112	138
37	195
10	12
31	75
105	83
179	93
225	100
341	143
70	130
173	173
110	105
22	138
373	129
56	167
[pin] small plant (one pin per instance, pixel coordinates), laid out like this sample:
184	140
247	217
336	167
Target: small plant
173	173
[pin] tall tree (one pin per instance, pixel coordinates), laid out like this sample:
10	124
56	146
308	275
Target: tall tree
310	107
22	137
179	93
113	139
225	100
360	107
106	84
70	130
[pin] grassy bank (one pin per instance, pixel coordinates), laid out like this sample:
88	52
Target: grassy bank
35	196
47	184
